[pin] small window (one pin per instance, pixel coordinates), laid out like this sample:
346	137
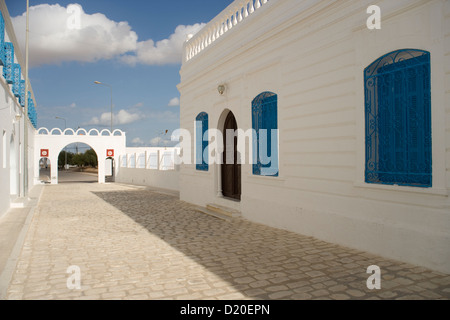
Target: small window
201	142
398	119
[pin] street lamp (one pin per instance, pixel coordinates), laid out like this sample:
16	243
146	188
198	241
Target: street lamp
110	87
65	151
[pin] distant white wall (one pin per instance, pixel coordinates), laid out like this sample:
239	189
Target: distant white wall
153	167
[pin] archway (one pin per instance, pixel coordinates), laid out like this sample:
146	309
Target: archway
109	170
230	167
45	169
77	163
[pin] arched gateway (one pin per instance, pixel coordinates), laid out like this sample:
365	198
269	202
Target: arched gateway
49	143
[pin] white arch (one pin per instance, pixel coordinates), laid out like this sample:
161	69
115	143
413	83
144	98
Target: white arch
56	129
105	130
117	130
79	130
42	128
68	130
57	140
93	130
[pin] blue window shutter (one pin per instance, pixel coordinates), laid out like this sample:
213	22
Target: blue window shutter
398	119
256	125
265	116
201	128
22	93
17	72
8	63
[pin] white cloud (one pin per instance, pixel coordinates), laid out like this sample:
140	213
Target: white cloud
53	41
167	116
137	142
175	102
165	51
122	117
161	142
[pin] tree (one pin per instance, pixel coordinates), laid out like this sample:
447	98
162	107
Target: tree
89	158
62	158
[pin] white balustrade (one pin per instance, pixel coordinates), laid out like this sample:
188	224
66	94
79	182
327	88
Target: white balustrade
233	15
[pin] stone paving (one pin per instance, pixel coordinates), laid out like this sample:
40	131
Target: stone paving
133	243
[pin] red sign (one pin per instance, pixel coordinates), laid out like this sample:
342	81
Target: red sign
44	153
110	152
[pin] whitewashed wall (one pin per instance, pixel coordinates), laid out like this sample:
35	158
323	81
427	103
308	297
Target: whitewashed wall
153	167
312	54
12	184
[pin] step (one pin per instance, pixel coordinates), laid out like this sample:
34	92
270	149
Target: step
232	213
213	214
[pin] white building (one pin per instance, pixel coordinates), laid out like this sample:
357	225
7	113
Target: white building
362	155
13	122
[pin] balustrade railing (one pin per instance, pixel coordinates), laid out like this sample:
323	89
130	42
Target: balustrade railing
233	15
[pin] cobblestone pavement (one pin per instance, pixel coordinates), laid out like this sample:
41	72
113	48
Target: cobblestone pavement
132	243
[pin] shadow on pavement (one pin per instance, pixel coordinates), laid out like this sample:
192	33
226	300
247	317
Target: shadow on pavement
259	261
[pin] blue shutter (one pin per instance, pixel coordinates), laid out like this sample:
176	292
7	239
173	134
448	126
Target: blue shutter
398	119
265	116
22	93
201	128
17	72
270	123
8	63
256	125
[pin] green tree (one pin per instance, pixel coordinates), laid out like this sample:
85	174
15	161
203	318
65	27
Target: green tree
89	158
78	160
62	158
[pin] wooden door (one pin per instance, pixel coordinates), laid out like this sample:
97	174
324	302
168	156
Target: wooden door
231	170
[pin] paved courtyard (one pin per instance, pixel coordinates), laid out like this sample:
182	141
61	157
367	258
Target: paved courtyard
134	243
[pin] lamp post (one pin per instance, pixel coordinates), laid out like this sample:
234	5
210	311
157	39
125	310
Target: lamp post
25	124
65	151
110	87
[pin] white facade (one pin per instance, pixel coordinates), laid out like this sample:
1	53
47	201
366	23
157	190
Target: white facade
312	54
13	124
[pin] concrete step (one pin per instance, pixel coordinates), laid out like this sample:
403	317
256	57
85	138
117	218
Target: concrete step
232	213
213	214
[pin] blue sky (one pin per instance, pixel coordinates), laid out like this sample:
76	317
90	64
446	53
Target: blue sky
131	45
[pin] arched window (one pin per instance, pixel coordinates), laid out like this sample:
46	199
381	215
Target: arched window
265	126
398	119
201	142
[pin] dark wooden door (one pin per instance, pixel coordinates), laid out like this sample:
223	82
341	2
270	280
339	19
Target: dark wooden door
231	170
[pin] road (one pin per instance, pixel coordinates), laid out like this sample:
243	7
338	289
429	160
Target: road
69	176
